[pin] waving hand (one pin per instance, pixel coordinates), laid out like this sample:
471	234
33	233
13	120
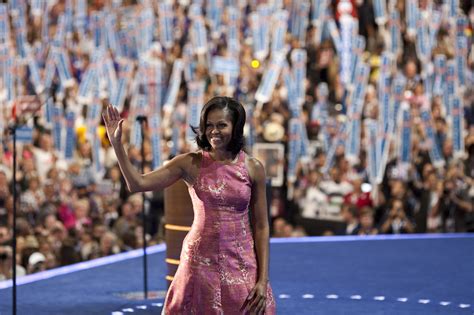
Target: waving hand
113	124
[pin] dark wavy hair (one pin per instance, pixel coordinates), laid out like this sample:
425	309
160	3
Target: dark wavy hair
237	115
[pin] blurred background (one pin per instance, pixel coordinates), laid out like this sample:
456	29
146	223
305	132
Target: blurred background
362	112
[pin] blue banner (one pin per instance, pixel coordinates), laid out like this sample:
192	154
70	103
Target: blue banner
292	98
394	29
440	72
354	113
339	141
433	145
233	43
318	12
270	78
199	35
97	27
189	63
398	96
280	22
458	127
80	16
70	135
449	86
214	13
348	28
380	12
57	127
63	66
155	131
461	63
195	103
260	33
166	17
111	36
294	148
371	147
4	24
411	16
125	74
298	65
174	83
24	134
406	136
146	29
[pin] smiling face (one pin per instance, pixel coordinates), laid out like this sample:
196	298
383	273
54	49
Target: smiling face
219	129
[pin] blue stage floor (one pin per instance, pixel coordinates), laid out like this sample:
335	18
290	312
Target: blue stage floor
414	274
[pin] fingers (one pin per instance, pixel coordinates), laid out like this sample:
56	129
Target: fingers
261	306
112	113
248	300
257	304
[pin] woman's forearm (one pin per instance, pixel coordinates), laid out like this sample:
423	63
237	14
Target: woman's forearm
262	250
131	175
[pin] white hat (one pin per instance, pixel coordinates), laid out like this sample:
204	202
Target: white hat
35	258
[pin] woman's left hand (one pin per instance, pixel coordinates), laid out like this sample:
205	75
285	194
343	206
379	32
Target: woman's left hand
256	300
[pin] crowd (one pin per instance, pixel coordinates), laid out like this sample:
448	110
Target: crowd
73	204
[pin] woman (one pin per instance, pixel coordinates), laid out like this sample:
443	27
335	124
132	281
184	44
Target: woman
220	272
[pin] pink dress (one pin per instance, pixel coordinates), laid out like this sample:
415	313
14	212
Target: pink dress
218	266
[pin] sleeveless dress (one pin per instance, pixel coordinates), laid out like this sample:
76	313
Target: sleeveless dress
218	266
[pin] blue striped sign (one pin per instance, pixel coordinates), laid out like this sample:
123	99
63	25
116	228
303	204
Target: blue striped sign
57	126
449	86
4	24
174	83
298	66
165	21
371	147
213	13
270	78
461	63
155	131
394	30
380	12
61	60
294	148
195	103
411	16
125	74
80	16
457	128
280	22
318	12
406	134
340	141
70	135
199	35
24	134
233	44
433	145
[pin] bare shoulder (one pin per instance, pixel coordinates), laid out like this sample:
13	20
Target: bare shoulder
187	157
189	164
255	168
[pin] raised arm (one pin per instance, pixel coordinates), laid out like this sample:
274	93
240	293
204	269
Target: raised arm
261	229
156	180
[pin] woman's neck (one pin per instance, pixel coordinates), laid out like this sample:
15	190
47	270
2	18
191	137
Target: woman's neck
222	156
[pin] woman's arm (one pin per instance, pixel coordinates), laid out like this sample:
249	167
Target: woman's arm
261	230
156	180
